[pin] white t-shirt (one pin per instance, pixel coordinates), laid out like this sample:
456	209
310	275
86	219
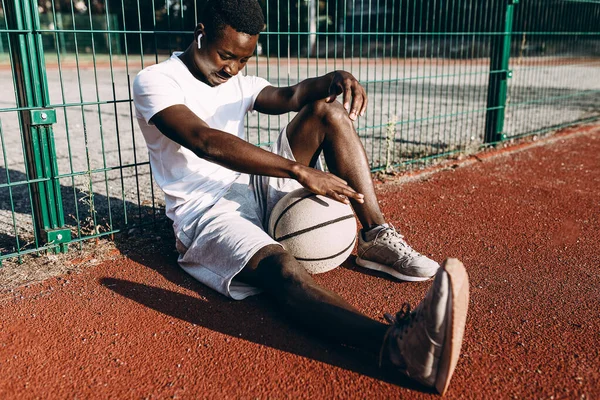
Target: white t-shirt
191	184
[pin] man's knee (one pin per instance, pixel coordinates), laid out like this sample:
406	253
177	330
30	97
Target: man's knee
328	113
285	272
275	269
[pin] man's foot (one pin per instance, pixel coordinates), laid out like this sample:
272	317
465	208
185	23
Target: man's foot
425	344
388	252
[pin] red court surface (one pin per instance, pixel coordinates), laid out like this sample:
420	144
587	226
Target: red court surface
525	222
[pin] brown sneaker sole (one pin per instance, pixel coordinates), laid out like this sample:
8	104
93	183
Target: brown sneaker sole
457	310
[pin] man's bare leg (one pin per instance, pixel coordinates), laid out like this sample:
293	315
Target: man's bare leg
423	344
327	127
316	308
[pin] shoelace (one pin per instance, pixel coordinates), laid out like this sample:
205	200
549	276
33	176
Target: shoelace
391	231
400	316
402	320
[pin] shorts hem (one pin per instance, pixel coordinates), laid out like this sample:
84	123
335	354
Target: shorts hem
242	290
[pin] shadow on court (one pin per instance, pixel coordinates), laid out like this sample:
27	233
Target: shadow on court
256	319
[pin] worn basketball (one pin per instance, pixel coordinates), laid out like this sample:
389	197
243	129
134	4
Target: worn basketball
318	231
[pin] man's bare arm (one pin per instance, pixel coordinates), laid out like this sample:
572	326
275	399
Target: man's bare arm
279	100
181	125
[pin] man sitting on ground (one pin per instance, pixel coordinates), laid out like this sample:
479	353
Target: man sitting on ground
220	189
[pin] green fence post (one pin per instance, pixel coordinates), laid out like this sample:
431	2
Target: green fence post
499	75
32	97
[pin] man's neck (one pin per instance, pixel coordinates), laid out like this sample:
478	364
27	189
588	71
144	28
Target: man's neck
187	58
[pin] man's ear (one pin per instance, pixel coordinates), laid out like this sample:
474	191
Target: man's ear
199	30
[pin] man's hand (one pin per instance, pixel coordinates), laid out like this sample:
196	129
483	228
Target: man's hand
278	100
326	184
354	95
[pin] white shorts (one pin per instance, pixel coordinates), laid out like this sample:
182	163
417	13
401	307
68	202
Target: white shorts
228	235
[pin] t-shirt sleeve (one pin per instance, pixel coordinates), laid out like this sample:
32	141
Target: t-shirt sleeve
255	85
153	92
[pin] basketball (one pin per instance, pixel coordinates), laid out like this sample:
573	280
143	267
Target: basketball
318	231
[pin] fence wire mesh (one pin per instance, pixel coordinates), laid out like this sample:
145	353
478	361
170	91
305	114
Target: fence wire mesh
434	71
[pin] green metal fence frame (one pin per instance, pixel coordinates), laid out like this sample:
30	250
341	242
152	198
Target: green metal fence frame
37	119
498	82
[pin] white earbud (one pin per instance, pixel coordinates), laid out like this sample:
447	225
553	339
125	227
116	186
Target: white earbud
199	42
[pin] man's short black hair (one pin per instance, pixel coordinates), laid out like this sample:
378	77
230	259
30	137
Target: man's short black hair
242	15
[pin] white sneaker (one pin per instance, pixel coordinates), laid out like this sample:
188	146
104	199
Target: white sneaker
388	252
425	344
